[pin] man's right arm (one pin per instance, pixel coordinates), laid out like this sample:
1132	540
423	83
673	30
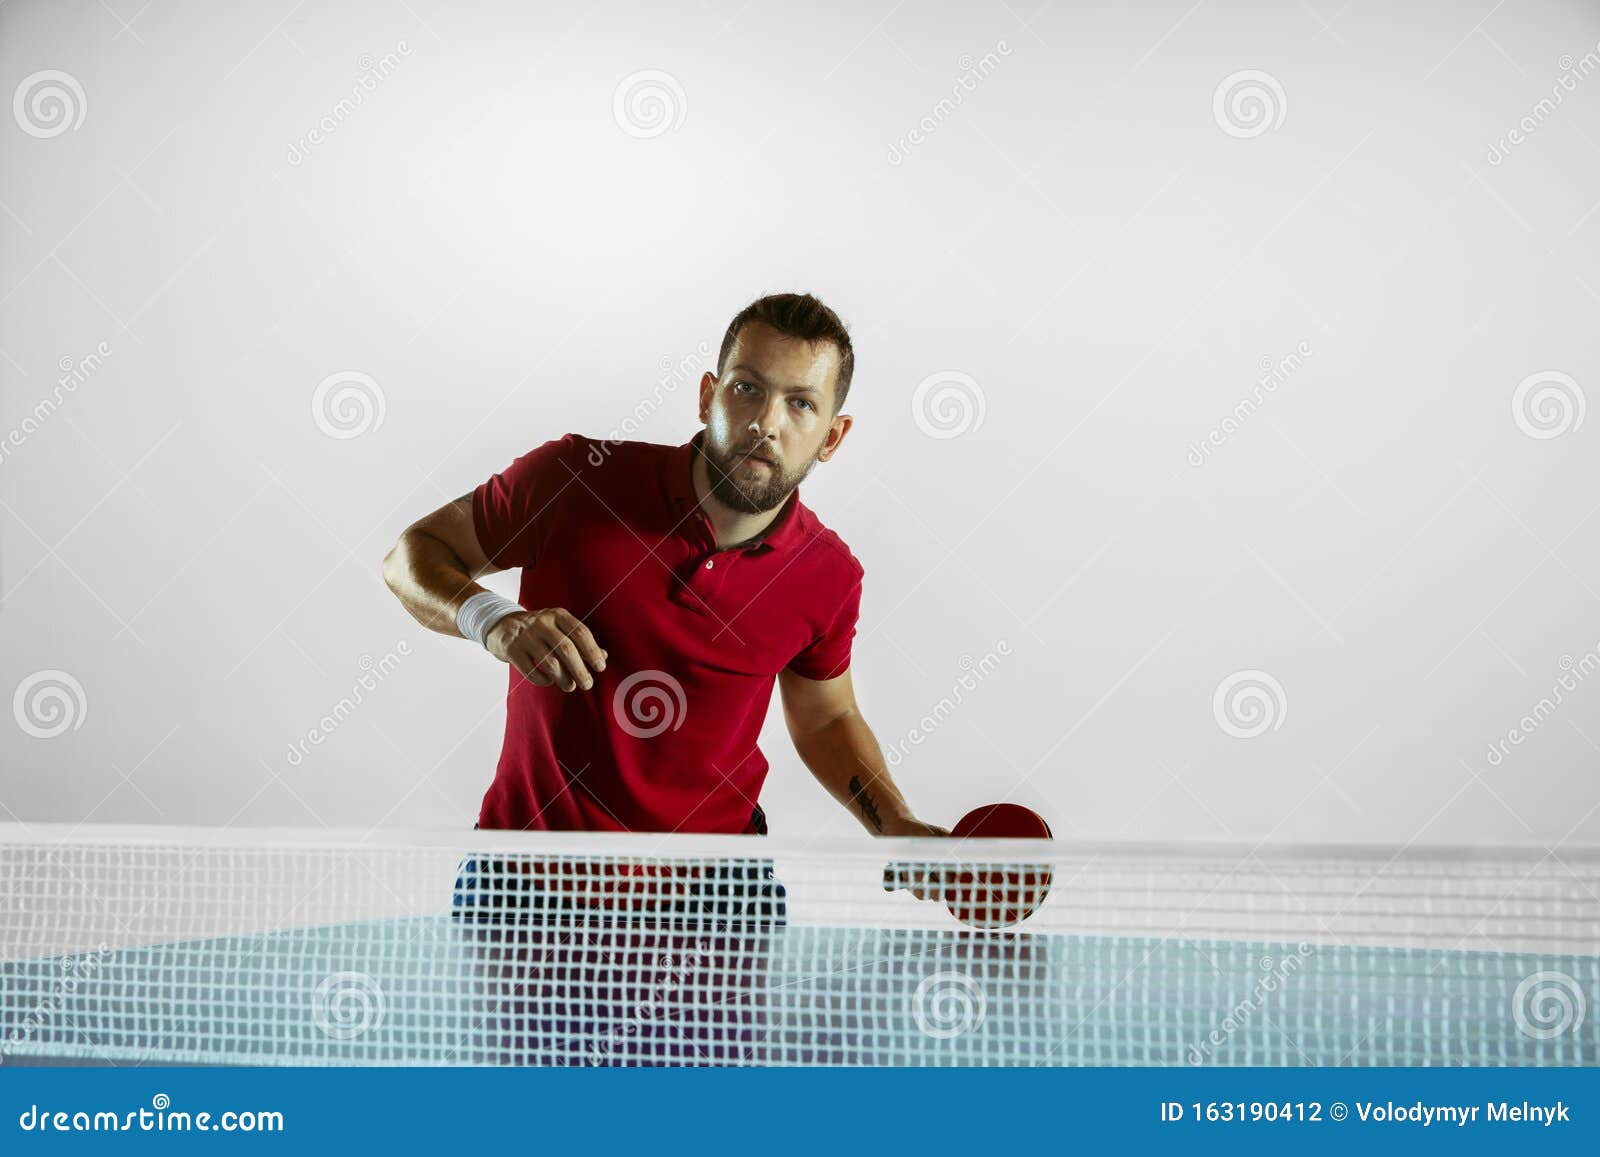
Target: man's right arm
433	570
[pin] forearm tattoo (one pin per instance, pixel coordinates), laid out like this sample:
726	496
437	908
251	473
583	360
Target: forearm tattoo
869	808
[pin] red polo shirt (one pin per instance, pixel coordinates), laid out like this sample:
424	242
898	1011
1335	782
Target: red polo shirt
694	636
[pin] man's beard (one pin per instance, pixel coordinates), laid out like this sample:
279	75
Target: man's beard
748	489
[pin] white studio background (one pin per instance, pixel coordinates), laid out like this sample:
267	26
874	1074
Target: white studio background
1072	242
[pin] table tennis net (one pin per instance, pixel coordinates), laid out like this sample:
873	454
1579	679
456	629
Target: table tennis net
128	946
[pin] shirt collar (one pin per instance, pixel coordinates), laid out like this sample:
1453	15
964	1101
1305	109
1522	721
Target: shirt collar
678	485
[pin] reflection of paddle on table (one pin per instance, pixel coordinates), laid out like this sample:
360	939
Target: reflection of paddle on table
982	895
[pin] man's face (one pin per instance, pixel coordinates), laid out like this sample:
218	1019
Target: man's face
769	417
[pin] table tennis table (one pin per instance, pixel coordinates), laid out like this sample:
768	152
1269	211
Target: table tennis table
435	989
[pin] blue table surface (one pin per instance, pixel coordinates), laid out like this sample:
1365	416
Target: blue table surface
436	991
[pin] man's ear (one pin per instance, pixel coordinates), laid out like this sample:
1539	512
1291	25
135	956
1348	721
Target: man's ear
708	388
836	432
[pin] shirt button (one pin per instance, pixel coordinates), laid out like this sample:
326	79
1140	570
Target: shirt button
710	563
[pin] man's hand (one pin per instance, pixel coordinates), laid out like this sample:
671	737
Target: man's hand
548	646
924	881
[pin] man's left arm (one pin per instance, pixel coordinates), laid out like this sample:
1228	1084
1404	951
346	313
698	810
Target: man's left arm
834	741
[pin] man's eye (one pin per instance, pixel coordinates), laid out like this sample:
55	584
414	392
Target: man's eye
803	402
742	387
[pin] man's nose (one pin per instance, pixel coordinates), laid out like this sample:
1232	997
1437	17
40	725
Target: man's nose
772	416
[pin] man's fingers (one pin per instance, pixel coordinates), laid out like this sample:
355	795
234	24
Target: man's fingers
551	647
579	635
924	881
573	672
525	663
538	664
550	662
554	671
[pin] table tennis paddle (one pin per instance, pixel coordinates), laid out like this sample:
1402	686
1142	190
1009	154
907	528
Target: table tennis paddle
983	895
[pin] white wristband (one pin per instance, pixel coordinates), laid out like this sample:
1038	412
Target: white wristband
481	612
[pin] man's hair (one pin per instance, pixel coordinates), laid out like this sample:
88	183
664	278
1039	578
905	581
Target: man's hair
797	315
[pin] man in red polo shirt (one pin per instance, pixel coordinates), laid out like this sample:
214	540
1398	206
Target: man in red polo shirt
664	589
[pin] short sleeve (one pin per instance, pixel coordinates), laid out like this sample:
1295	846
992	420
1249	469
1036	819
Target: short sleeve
512	511
828	656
